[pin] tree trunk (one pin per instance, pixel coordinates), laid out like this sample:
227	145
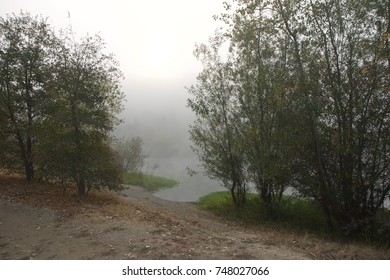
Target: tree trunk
81	187
266	197
25	150
233	193
29	164
29	170
328	215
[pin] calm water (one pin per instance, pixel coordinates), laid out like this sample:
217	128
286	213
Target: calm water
191	188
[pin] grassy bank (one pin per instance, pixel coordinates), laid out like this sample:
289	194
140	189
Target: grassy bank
299	215
149	182
290	212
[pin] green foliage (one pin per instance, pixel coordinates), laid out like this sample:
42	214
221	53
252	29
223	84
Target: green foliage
149	182
214	133
85	98
221	203
299	213
302	99
58	105
263	105
340	82
25	44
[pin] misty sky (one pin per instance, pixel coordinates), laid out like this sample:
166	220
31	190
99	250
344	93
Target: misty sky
153	40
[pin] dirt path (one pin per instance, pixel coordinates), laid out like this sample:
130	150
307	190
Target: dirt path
146	227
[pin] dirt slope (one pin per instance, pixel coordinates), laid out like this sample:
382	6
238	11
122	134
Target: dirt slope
141	226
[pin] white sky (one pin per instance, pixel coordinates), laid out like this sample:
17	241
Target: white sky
152	39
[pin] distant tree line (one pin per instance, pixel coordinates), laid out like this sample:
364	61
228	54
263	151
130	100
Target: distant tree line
59	100
296	93
131	154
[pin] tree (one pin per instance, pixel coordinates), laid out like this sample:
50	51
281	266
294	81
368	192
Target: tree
256	108
342	82
131	154
85	97
25	43
58	104
258	74
308	104
215	131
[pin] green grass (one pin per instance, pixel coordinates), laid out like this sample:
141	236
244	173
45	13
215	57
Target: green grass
292	213
221	203
149	182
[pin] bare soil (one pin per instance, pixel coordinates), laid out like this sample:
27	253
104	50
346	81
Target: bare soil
46	222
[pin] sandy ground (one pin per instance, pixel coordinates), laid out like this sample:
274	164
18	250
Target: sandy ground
141	226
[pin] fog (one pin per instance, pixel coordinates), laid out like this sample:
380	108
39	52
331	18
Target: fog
153	41
160	117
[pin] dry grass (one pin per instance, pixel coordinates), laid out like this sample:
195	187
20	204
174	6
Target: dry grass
67	202
52	195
